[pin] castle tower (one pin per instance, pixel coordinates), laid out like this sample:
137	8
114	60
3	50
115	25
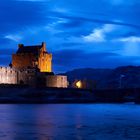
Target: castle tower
32	57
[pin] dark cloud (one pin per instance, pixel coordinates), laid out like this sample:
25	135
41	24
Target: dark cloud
18	15
80	19
71	24
67	59
69	44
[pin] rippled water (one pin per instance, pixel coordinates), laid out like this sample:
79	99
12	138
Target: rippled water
70	122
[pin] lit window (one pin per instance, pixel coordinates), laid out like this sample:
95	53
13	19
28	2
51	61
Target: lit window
79	84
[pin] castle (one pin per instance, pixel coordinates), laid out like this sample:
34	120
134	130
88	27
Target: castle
32	65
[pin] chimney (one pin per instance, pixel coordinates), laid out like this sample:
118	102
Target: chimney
20	45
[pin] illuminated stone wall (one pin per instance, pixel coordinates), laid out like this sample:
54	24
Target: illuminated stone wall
8	75
12	76
56	81
20	61
29	77
45	61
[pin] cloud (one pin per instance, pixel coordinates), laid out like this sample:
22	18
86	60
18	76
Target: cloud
131	45
77	58
132	39
70	27
94	60
97	19
131	50
99	34
16	38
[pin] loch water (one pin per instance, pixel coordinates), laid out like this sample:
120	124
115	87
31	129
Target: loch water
69	121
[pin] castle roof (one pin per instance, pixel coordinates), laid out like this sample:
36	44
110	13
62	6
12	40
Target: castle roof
28	49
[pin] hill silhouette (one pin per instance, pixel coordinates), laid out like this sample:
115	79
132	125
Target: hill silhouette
120	77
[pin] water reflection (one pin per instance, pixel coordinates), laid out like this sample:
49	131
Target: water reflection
24	122
33	122
5	123
69	122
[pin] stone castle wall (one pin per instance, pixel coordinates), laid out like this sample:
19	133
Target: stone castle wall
21	61
12	76
29	77
44	60
26	76
8	75
56	81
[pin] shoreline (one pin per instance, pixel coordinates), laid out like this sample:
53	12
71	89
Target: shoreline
18	94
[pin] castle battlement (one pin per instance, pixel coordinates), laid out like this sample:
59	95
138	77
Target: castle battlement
7	70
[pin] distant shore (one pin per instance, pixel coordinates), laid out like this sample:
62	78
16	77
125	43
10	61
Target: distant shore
24	94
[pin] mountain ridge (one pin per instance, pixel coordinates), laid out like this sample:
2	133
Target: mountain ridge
120	77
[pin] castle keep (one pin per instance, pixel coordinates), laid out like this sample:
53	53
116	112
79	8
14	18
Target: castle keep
32	57
32	65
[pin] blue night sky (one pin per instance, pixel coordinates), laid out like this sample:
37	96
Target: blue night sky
79	33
